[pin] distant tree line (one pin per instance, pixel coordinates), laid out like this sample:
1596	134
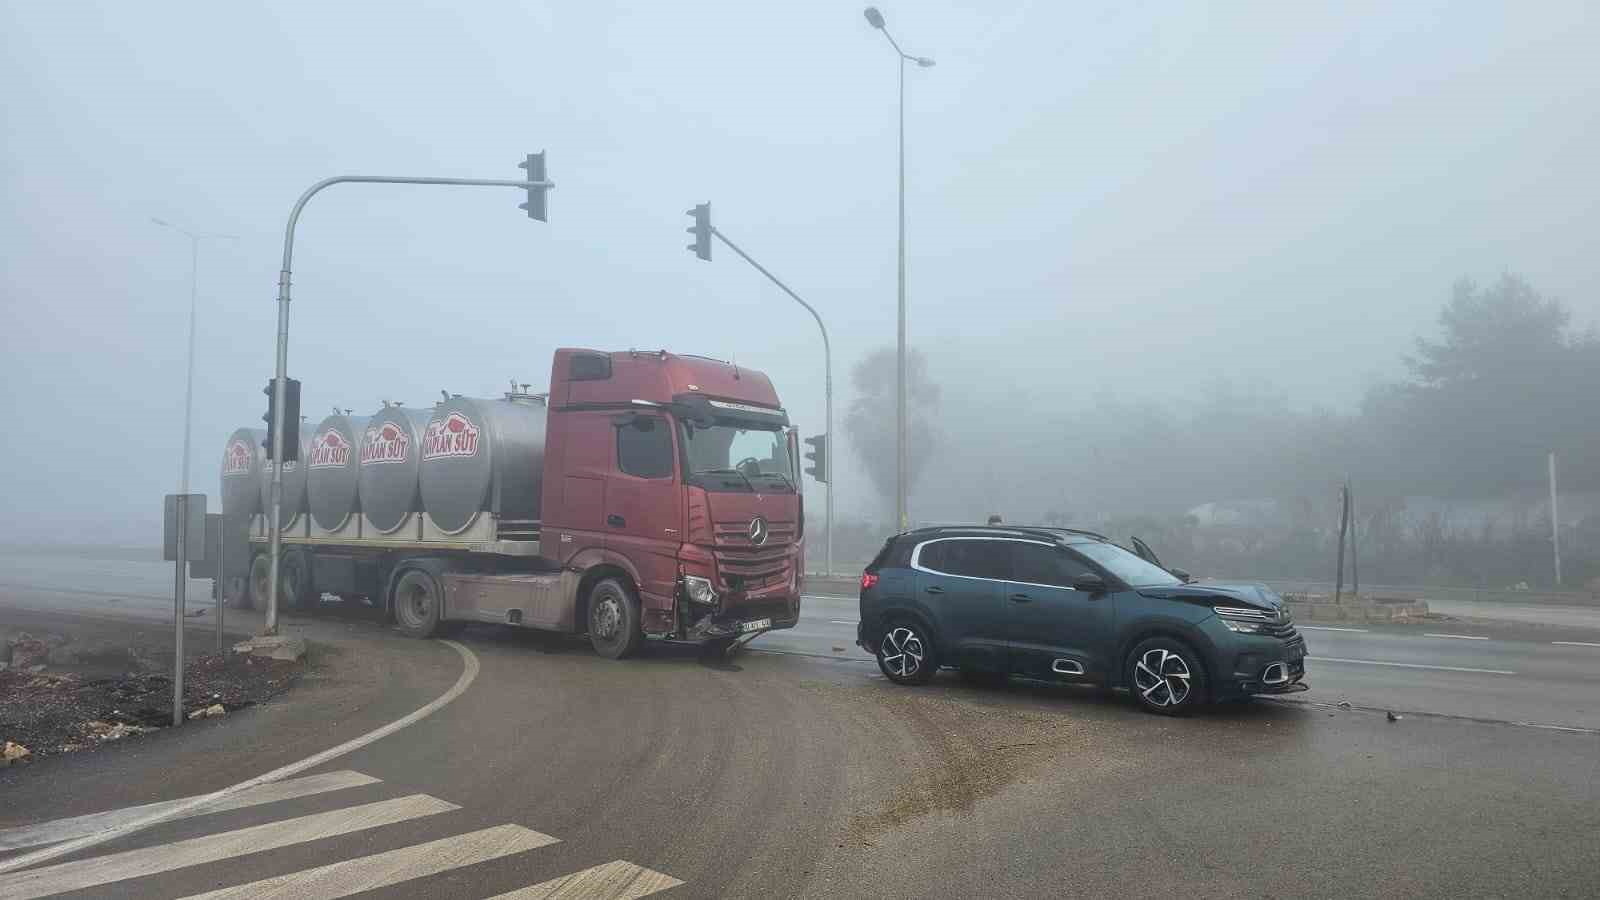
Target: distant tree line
1506	380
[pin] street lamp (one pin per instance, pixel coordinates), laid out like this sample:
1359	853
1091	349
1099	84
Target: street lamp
875	19
194	295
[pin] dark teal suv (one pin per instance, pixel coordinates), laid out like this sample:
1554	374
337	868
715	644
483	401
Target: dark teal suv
1066	605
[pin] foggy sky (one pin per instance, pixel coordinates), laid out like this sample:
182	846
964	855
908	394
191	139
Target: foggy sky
1100	199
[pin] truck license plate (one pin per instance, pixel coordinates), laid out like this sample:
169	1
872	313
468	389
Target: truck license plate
754	625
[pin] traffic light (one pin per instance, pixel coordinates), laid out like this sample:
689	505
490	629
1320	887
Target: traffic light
818	455
291	418
701	230
536	195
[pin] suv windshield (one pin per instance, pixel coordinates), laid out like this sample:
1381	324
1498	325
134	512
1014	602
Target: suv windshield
1130	568
760	455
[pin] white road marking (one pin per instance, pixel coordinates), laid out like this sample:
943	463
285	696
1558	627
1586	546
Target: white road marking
1459	637
341	879
1576	643
1329	628
1401	665
1557	727
844	622
78	826
828	597
97	870
469	673
619	880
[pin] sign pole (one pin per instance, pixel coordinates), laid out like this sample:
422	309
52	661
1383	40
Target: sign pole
180	584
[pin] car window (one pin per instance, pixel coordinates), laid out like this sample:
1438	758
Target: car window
971	558
1043	564
1126	566
644	448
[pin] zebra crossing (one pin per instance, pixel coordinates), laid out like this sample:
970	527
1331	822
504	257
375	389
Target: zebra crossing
615	880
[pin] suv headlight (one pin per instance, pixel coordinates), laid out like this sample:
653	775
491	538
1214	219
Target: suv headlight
699	590
1243	621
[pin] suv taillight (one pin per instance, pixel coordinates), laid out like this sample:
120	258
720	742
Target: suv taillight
868	580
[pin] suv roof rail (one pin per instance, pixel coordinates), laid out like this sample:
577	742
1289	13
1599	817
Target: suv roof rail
1010	530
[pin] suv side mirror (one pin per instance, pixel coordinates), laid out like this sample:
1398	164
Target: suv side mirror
1089	583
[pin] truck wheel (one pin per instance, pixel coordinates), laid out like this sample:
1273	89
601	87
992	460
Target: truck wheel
294	582
255	593
613	619
417	601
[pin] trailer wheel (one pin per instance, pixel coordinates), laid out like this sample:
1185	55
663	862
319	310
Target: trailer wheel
255	593
613	619
416	604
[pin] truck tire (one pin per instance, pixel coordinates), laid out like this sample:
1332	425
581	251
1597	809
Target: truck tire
295	589
293	582
613	619
255	592
417	602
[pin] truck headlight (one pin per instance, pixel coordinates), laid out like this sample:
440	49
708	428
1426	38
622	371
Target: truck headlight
1242	621
699	590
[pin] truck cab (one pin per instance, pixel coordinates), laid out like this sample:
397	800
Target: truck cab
679	472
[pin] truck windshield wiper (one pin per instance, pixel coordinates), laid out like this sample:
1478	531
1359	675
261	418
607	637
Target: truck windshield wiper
746	478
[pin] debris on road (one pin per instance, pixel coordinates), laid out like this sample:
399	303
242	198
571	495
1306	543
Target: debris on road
14	753
1392	716
210	712
273	647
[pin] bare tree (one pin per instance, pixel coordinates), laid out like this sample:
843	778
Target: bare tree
871	419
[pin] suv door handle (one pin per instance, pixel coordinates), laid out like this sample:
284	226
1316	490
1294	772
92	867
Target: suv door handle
934	589
1020	598
616	521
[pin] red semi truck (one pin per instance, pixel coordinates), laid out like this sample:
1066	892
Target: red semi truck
646	496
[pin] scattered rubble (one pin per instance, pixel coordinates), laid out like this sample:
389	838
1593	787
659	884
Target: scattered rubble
273	647
59	695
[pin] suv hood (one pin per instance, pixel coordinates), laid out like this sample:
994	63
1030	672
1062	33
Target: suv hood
1255	596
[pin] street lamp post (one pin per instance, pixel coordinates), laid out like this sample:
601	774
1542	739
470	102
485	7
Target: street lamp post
181	578
536	184
875	19
194	298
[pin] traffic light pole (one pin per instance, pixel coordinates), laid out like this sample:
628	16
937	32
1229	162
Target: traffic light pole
827	382
536	187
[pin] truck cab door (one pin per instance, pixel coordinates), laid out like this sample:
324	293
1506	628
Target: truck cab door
644	506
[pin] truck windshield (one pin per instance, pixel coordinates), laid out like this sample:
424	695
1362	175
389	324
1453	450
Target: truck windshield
730	456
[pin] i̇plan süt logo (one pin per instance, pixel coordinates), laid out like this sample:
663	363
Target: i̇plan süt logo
330	450
236	459
386	443
454	435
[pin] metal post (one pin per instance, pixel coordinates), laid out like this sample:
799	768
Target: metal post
1344	521
827	385
1555	520
1355	562
188	385
222	576
900	403
275	539
181	582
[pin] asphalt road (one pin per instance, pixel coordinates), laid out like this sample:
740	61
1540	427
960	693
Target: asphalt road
804	773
